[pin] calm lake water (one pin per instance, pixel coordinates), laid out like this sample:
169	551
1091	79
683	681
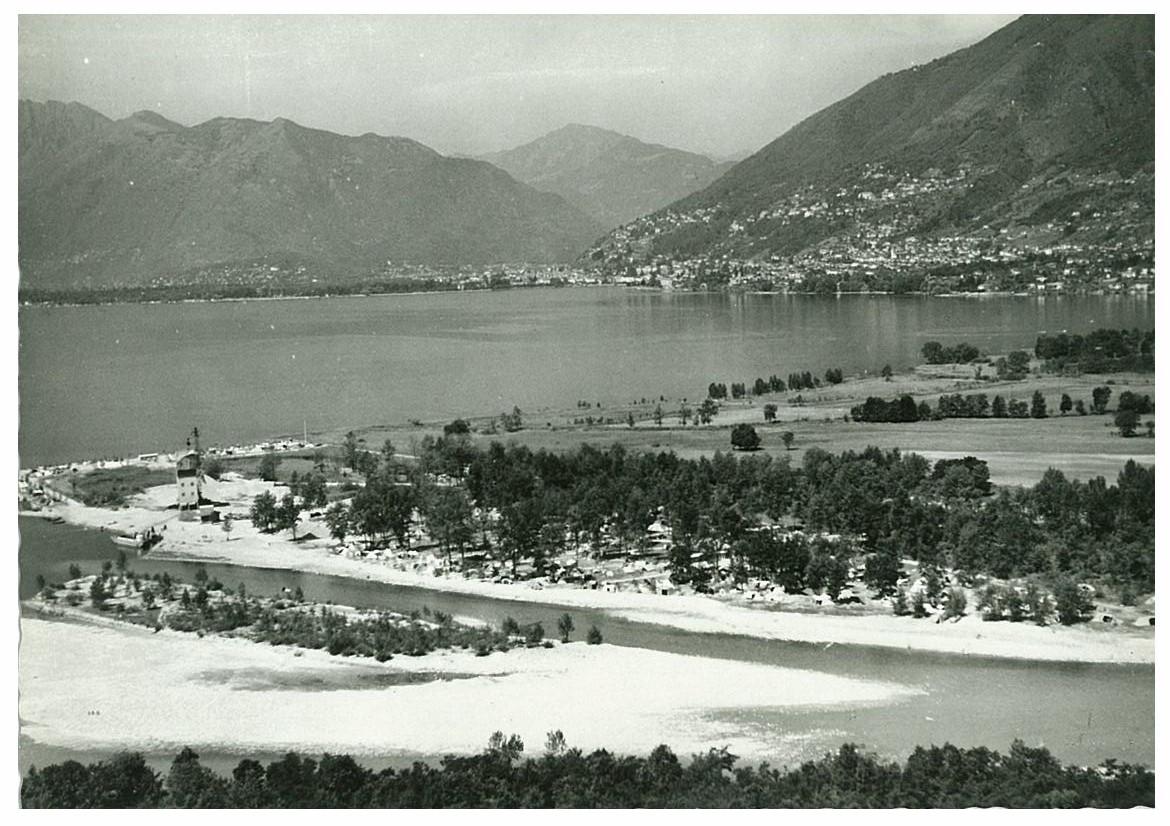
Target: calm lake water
123	379
1083	713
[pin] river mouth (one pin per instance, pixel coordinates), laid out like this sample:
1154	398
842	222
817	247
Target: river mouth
1084	713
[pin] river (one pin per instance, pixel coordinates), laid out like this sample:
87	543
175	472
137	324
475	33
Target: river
1083	713
117	380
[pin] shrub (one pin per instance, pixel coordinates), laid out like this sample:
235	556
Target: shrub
901	607
594	636
956	603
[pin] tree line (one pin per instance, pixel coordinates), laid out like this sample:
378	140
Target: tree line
962	353
563	777
1100	351
1130	407
774	384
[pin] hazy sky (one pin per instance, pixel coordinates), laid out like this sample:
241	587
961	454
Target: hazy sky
717	85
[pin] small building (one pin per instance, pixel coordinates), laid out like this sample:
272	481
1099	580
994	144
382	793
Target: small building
188	475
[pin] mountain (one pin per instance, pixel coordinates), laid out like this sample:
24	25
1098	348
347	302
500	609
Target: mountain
610	176
1046	125
132	201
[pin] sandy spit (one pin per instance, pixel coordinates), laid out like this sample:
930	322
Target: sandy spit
101	686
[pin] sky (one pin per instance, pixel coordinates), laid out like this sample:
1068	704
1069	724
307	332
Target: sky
723	86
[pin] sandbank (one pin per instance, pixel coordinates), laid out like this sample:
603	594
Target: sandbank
106	685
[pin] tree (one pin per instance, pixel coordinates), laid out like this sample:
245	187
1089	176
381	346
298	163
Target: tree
565	626
263	511
1080	407
226	527
534	633
684	414
75	571
770	412
350	450
593	637
269	462
1039	406
448	513
630	419
1126	422
707	411
882	572
554	744
190	785
787	437
888	373
288	513
900	604
744	437
933	353
1066	404
459	427
98	593
337	518
313	490
1101	399
998	408
658	415
1073	604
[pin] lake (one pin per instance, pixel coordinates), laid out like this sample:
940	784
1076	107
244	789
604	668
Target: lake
117	380
1083	713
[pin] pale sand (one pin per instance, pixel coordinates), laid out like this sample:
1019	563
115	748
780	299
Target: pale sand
105	685
971	635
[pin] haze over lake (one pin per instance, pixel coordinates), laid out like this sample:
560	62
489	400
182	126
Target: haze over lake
121	379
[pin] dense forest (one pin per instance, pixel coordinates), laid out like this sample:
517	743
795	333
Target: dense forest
882	505
935	777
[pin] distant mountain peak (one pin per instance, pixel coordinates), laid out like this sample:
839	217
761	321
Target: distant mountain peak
612	176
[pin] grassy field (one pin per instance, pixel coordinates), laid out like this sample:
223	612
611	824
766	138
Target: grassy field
1018	451
111	487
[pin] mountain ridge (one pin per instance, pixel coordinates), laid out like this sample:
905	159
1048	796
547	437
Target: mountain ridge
122	202
999	121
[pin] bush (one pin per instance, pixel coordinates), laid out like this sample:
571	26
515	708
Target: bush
1073	605
594	636
534	633
956	603
510	627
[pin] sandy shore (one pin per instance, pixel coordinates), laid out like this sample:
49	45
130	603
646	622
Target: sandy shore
106	685
193	541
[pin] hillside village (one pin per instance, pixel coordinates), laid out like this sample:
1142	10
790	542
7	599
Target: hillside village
875	236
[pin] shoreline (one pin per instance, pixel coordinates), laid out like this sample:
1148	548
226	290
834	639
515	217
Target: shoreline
970	636
919	294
